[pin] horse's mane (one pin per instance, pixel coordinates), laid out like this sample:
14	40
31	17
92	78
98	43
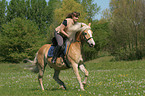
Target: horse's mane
78	27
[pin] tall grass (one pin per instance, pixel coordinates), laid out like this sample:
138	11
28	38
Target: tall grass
105	78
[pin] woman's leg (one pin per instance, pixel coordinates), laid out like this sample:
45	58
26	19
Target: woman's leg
59	40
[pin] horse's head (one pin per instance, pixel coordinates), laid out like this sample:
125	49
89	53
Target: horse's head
82	30
87	35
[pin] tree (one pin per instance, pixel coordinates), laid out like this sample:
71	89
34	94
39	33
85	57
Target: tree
67	8
52	5
16	8
106	16
38	13
128	28
19	39
34	10
3	7
90	8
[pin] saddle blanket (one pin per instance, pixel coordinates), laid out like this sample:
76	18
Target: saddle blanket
51	50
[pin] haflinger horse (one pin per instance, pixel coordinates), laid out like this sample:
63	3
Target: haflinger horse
77	32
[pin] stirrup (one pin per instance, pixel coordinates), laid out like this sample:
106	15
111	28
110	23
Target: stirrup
53	61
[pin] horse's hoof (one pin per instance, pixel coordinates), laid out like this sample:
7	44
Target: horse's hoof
62	87
83	89
84	83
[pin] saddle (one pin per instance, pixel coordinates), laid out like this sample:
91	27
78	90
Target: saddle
52	48
63	51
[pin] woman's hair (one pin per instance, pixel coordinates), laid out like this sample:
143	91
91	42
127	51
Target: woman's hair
76	14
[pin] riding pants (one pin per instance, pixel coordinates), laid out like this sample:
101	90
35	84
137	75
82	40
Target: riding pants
59	38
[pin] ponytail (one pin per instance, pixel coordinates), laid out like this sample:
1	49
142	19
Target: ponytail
70	15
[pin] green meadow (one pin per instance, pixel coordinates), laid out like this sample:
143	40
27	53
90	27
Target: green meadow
106	78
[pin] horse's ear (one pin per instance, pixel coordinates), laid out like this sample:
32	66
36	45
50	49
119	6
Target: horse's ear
90	24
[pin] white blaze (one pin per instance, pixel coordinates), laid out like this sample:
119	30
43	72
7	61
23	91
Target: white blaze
91	41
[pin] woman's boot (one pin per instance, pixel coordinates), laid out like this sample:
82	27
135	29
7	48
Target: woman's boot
56	53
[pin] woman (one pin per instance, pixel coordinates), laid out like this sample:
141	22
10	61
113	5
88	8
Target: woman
61	32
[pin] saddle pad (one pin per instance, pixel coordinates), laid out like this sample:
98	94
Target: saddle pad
51	50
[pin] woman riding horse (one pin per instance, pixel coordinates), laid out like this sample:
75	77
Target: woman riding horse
61	33
77	32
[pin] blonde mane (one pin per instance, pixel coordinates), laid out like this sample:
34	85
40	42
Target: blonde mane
77	28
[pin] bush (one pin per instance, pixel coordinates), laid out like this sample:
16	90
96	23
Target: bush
19	39
89	53
127	54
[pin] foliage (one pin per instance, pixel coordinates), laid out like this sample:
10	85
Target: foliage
67	8
127	24
46	16
37	12
16	8
34	10
90	8
120	31
19	39
89	53
3	7
106	16
52	5
101	34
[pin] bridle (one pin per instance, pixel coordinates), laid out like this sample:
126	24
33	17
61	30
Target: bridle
84	34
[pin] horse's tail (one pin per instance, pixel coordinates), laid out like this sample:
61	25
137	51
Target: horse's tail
34	66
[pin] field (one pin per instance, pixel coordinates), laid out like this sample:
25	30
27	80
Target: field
106	78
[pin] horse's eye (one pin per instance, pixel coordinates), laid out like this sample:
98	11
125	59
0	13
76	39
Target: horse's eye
85	33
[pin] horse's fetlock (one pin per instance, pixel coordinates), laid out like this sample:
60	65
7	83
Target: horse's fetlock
55	78
40	76
86	75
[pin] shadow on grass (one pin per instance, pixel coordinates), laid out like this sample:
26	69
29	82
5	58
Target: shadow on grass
48	89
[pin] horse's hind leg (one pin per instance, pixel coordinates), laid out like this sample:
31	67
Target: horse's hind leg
84	70
41	73
56	78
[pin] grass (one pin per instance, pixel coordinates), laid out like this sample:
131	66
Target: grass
105	78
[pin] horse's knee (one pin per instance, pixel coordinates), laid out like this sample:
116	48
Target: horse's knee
40	74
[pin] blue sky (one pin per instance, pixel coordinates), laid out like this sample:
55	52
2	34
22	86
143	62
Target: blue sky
102	3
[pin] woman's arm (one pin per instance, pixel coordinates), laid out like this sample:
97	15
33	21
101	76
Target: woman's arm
62	30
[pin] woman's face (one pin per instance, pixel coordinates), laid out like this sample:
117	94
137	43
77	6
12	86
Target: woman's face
75	19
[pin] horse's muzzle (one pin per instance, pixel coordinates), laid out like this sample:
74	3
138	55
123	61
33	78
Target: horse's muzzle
91	45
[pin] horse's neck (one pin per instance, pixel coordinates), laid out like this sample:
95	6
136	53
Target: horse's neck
75	49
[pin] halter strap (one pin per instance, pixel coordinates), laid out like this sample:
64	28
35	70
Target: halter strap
86	38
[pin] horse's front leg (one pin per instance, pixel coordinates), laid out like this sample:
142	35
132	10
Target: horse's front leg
56	78
76	71
84	70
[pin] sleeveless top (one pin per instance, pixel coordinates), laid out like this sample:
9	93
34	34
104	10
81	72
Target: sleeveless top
68	22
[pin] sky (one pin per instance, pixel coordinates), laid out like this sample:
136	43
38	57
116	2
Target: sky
102	3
